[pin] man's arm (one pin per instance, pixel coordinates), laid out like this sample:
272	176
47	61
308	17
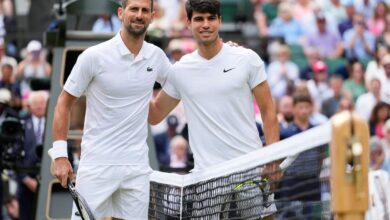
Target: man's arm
268	112
160	107
61	167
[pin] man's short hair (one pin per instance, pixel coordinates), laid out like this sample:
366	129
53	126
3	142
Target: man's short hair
124	4
203	6
302	97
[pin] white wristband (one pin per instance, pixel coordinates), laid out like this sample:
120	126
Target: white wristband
59	149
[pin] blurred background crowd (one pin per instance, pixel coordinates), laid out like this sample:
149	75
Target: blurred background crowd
321	57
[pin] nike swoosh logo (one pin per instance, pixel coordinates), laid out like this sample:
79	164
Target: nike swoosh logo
227	70
149	69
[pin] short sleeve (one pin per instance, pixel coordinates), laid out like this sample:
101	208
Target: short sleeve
256	70
164	69
80	76
170	86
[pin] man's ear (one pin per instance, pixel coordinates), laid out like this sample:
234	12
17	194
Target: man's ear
120	12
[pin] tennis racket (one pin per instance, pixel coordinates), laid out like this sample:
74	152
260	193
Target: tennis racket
288	161
83	209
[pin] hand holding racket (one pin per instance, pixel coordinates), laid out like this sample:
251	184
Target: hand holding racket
273	171
62	169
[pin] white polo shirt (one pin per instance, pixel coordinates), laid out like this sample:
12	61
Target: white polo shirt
118	89
218	102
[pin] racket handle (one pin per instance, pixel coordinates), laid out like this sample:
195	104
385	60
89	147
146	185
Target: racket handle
288	161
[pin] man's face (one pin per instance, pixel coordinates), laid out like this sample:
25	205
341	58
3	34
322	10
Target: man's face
286	108
204	27
136	16
38	107
302	111
7	73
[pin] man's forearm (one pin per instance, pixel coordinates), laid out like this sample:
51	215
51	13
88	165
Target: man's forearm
271	127
60	124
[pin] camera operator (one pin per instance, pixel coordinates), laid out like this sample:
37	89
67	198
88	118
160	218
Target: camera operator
5	111
34	126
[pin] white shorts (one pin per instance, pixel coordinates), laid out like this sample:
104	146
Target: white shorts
114	191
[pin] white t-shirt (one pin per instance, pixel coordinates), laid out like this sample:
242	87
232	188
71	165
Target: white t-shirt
218	102
118	88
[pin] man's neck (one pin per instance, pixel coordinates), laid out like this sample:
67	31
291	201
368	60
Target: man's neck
210	51
134	44
303	125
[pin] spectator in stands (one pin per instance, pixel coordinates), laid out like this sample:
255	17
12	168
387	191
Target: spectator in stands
328	43
34	133
285	111
309	161
384	38
331	105
376	24
265	15
7	82
345	104
179	28
348	22
178	152
303	12
386	83
107	23
302	108
386	139
375	67
366	7
171	8
355	86
286	26
6	59
162	141
358	42
33	66
161	25
379	115
282	72
335	9
179	47
318	86
377	155
366	102
312	56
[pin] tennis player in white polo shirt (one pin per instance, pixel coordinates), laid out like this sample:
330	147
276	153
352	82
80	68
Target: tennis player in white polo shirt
216	84
117	77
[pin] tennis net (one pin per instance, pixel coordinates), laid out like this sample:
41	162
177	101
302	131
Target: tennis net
240	188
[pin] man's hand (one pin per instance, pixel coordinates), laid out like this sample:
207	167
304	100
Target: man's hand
62	169
31	183
273	173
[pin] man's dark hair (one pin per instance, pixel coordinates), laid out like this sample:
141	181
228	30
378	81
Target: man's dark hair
124	4
203	6
302	97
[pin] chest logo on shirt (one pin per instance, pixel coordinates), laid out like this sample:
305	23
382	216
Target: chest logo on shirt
227	70
149	69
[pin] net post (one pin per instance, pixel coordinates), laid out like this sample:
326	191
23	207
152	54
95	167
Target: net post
349	171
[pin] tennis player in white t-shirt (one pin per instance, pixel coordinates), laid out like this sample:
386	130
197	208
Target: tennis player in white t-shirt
216	84
117	78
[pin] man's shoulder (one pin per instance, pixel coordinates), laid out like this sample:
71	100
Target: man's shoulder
245	54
